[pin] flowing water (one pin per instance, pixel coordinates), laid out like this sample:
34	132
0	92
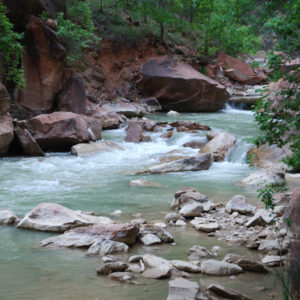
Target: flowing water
100	183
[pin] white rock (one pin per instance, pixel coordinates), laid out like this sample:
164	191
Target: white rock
262	217
191	210
159	224
238	203
105	247
180	223
263	177
156	267
272	260
182	289
150	239
173	113
185	266
116	213
205	224
7	217
215	267
93	148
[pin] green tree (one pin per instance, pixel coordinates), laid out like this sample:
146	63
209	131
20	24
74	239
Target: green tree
11	51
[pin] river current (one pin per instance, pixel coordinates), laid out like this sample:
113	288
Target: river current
100	183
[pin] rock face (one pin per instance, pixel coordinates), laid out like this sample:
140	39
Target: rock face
6	134
43	66
215	267
293	212
4	99
72	97
219	145
55	217
196	163
94	148
86	236
182	289
7	217
239	203
59	131
177	86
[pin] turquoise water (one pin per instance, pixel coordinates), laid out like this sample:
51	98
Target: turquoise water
100	183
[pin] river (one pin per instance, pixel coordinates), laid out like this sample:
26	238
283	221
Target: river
100	183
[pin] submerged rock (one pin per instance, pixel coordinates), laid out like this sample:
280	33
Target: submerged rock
177	86
94	148
86	236
112	267
199	252
55	217
145	183
7	217
220	268
185	266
195	163
124	277
152	230
182	289
189	125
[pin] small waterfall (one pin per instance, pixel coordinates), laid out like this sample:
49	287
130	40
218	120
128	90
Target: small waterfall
236	108
239	153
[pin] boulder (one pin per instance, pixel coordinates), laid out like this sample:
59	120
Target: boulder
4	99
185	266
182	289
150	239
55	217
187	196
272	260
135	133
163	235
144	183
84	237
242	77
194	144
167	135
247	264
125	108
6	134
109	120
205	224
239	203
59	131
262	217
219	146
189	125
225	293
191	210
106	247
229	62
197	253
7	217
43	67
178	86
173	217
220	268
112	267
194	163
172	113
156	267
264	177
72	97
28	144
94	148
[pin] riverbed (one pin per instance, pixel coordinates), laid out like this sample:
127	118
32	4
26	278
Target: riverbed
100	183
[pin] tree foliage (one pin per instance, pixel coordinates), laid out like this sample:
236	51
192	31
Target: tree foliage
11	51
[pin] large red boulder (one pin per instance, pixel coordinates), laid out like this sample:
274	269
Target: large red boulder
43	66
72	97
178	86
59	131
229	62
6	134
